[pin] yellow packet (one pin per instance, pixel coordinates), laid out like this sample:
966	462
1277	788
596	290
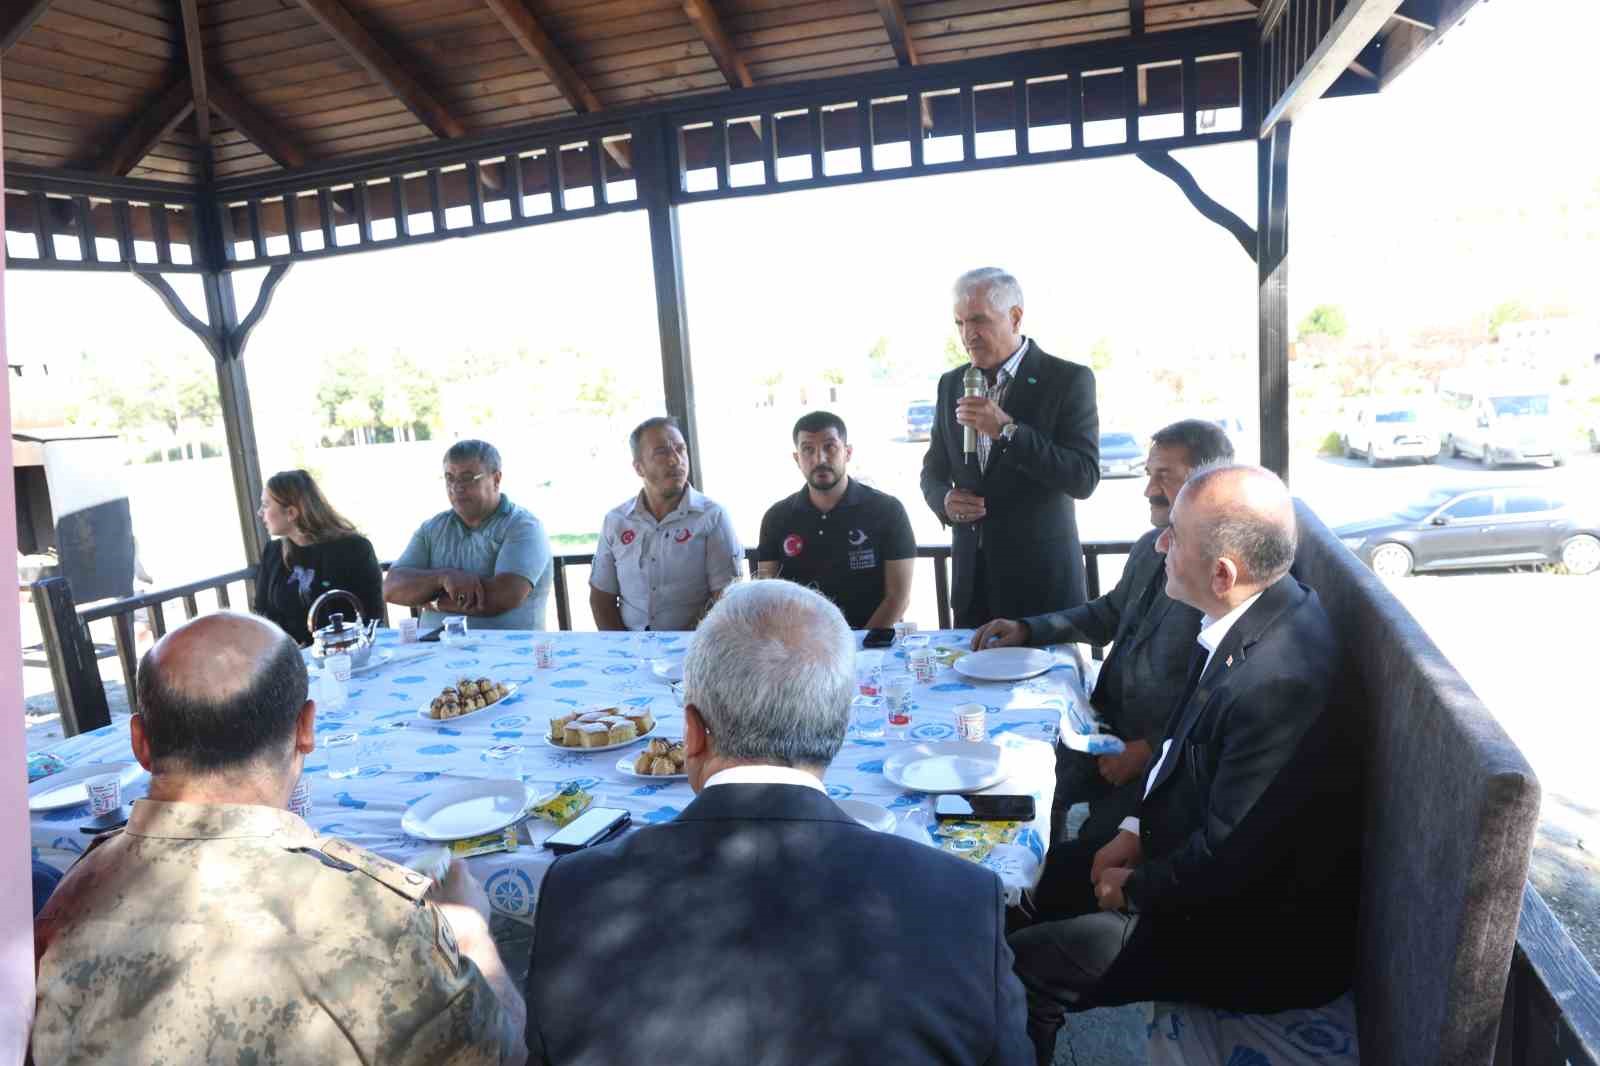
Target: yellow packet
563	805
500	840
988	832
967	848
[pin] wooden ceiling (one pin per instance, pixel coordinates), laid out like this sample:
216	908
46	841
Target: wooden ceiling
144	87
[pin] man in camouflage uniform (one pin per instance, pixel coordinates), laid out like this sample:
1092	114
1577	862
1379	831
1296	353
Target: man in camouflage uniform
218	927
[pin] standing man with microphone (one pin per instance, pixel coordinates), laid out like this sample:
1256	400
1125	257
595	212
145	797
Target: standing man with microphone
1029	446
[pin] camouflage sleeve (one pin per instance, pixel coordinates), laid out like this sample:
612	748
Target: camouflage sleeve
453	1015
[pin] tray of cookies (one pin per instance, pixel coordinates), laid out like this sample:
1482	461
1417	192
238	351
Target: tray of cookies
600	728
466	696
661	759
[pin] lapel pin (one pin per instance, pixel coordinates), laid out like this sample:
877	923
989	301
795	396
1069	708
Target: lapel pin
1033	381
1228	661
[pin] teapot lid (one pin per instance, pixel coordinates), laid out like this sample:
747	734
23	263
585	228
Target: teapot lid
337	633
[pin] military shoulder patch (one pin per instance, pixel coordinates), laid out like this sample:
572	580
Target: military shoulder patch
406	882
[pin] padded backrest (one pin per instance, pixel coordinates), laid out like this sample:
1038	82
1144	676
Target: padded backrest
1450	812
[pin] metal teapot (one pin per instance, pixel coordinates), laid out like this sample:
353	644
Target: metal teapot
356	640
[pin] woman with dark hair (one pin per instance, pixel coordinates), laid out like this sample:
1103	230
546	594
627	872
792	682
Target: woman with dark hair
316	549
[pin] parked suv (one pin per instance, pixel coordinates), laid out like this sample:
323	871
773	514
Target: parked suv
1386	433
919	420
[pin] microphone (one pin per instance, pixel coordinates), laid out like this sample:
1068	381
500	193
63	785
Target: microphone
971	385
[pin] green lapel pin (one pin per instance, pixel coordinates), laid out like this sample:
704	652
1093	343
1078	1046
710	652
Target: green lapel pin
1033	381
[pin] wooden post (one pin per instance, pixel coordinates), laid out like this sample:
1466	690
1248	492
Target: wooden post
1272	265
656	169
74	671
16	911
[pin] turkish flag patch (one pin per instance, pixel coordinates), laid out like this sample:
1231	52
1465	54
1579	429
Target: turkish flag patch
682	536
627	536
793	545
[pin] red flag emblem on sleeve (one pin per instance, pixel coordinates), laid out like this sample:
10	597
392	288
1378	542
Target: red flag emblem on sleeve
627	536
793	545
682	536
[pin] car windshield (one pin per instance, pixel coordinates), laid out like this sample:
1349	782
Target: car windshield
920	409
1418	511
1515	406
1118	440
1397	416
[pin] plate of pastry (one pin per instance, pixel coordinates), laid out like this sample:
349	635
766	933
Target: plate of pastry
466	696
661	760
600	728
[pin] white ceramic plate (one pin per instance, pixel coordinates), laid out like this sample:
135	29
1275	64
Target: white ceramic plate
66	788
946	767
668	669
374	661
545	736
422	712
625	768
1004	664
868	814
468	809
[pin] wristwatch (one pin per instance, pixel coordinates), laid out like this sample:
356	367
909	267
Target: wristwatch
1008	431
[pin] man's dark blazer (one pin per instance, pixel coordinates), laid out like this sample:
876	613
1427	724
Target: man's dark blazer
1152	649
1030	533
765	926
1247	891
1138	683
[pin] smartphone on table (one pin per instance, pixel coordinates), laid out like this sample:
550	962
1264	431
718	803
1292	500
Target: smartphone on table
983	809
593	826
878	638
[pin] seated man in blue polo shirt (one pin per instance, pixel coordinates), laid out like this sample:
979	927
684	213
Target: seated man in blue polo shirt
851	543
485	557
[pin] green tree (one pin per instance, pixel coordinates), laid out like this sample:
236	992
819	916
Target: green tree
1100	357
1508	311
1324	320
954	354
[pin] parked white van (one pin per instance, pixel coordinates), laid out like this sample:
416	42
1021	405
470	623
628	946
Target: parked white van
1501	421
1386	431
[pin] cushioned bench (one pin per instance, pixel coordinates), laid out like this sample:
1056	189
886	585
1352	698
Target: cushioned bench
1449	817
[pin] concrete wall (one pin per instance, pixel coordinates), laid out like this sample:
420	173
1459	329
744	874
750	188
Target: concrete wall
16	910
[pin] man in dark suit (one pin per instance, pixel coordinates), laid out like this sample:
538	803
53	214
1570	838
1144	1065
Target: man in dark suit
1236	885
1153	633
1014	540
764	925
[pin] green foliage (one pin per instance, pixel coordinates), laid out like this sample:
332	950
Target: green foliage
954	354
1325	320
1332	444
1100	357
1508	311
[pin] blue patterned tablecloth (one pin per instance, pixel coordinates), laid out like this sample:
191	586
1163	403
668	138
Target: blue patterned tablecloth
406	757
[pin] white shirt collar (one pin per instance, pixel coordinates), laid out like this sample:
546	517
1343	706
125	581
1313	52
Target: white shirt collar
1214	630
764	775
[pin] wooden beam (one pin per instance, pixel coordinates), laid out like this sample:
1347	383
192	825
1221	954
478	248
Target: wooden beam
377	61
1163	163
1407	41
531	38
155	121
256	127
1136	18
18	19
1350	33
197	77
893	13
709	25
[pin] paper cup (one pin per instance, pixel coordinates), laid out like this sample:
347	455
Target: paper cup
105	793
339	666
971	723
408	630
544	654
300	799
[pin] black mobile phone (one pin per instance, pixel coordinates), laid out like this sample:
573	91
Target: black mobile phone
878	638
431	636
106	822
983	809
588	829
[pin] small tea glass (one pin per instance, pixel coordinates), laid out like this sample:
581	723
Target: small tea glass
455	629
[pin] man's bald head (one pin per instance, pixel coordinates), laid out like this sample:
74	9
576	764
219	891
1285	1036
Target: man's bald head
1245	514
220	692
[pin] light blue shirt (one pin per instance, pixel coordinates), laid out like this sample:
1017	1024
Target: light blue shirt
509	541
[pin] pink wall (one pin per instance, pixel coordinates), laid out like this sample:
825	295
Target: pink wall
16	908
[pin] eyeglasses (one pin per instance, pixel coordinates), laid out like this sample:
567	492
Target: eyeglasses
462	482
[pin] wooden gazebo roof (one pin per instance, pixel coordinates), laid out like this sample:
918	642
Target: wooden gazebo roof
136	87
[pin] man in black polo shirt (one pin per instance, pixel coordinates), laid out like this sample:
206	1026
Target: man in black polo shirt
851	543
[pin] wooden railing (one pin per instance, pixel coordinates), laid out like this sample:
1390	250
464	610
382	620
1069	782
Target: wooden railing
75	669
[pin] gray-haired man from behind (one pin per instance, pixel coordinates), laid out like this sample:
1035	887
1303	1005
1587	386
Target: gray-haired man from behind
1150	657
762	923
